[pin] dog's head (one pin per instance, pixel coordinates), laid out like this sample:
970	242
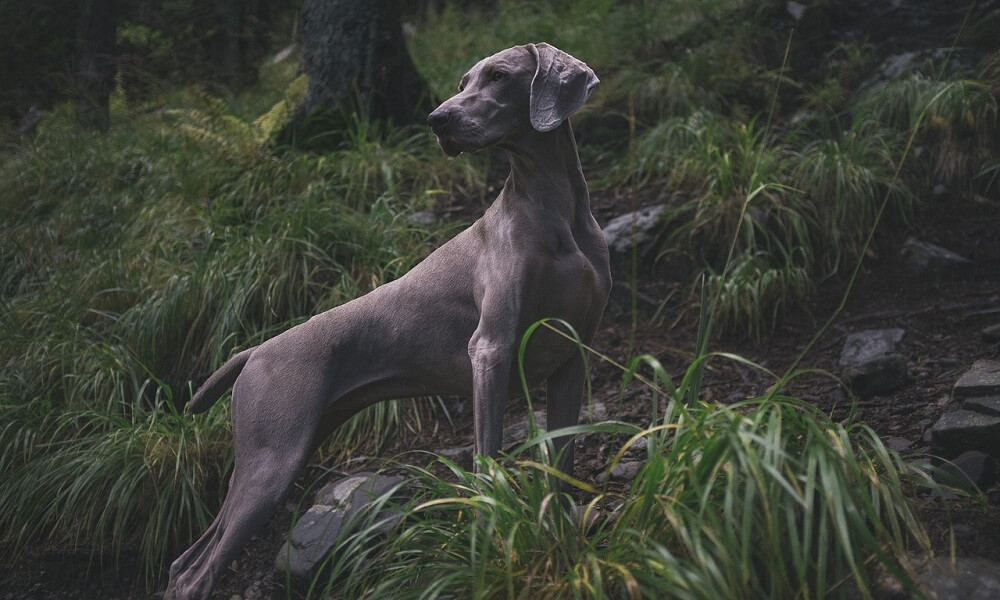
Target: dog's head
535	87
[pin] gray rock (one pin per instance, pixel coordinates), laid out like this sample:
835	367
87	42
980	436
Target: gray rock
923	257
966	430
871	363
940	192
623	471
517	433
619	231
316	533
796	10
970	470
988	406
461	455
864	346
982	379
595	412
897	444
992	333
877	376
928	62
639	446
422	217
971	578
284	54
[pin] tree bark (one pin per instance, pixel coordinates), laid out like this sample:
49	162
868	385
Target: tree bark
95	63
357	62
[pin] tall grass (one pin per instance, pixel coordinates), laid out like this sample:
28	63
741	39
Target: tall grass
764	499
134	262
143	477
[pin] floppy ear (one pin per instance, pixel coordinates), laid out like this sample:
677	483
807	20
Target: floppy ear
560	87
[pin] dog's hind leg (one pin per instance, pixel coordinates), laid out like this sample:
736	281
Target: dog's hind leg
271	449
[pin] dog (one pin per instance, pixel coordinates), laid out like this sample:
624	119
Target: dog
450	326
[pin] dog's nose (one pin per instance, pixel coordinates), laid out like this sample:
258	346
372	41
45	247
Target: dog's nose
439	117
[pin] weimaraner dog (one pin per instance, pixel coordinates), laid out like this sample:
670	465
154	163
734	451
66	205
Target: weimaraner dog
451	326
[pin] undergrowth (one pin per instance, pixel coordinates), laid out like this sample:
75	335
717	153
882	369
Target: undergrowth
767	498
133	262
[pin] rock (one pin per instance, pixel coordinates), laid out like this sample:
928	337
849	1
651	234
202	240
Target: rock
970	470
877	376
284	54
871	364
422	217
619	231
987	406
595	412
864	346
981	380
29	122
316	533
253	592
639	446
795	9
940	192
992	333
966	430
971	578
623	471
517	433
937	62
897	444
461	455
923	257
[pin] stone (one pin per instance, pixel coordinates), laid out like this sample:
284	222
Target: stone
987	406
982	379
648	223
796	10
923	257
966	430
517	433
871	363
970	578
422	217
897	444
870	344
594	412
992	333
284	54
877	376
937	62
639	446
461	455
626	470
317	532
971	469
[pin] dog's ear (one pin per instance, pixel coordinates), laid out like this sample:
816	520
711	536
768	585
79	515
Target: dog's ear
560	87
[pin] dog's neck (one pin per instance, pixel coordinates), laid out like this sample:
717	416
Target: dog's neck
545	168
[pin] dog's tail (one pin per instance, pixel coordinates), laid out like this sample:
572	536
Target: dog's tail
218	383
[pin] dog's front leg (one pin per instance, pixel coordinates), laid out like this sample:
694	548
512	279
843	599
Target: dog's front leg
491	352
563	398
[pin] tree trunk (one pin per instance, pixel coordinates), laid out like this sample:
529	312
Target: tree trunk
357	62
95	63
230	15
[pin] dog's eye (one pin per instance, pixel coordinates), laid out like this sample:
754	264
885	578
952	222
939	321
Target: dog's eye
498	76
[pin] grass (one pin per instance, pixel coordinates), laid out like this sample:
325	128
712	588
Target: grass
133	262
767	498
137	261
